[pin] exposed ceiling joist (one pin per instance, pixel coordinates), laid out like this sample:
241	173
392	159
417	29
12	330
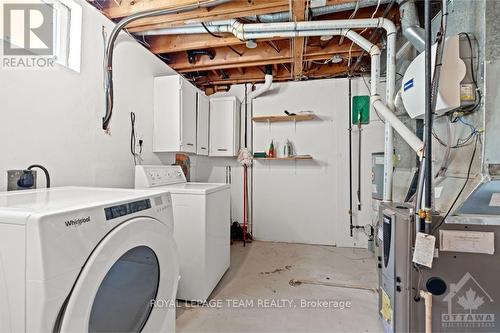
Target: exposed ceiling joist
255	75
116	9
233	9
127	7
177	43
233	62
298	11
260	56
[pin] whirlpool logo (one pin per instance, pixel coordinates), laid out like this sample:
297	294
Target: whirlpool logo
77	222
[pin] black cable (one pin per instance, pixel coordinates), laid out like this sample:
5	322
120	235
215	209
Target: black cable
473	74
45	171
219	36
463	186
132	136
210	32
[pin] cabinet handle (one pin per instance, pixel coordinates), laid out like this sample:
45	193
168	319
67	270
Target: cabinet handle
221	149
189	144
205	148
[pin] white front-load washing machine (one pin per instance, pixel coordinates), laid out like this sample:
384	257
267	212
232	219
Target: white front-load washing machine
76	259
202	227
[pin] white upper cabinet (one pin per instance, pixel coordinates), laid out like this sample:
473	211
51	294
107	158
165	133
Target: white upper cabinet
203	124
224	126
175	101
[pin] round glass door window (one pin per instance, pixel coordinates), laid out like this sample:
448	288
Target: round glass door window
123	301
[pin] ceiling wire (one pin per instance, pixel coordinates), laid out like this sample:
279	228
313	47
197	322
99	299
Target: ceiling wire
361	33
387	9
219	36
350	17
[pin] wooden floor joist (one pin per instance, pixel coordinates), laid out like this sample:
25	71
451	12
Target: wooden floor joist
298	14
233	62
256	75
233	9
260	56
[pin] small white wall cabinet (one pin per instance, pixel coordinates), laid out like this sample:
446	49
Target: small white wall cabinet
203	124
175	102
224	126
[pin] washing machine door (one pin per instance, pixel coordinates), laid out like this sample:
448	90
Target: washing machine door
133	268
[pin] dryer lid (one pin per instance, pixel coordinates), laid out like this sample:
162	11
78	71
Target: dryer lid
17	206
196	188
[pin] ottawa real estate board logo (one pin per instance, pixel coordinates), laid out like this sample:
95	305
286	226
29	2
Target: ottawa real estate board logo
28	36
469	306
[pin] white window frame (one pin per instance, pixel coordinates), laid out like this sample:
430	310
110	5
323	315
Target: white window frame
67	33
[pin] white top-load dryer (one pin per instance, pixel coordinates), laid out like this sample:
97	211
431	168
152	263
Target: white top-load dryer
202	227
87	260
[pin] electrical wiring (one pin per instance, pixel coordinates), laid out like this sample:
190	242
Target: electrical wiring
350	17
133	139
463	186
219	36
461	142
473	75
104	39
361	33
210	32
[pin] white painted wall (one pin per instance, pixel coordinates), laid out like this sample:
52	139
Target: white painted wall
304	201
54	117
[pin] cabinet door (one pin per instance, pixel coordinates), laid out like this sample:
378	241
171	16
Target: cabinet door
167	113
203	123
188	116
221	127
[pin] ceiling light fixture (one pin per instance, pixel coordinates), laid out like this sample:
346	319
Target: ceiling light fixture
326	38
336	59
251	44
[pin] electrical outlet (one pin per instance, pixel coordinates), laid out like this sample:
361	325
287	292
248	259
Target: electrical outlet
12	178
140	143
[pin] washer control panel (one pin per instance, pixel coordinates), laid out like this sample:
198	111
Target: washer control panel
158	175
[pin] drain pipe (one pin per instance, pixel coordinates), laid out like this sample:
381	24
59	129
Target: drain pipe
244	152
108	57
268	81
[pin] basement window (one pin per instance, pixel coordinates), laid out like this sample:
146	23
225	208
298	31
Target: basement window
67	33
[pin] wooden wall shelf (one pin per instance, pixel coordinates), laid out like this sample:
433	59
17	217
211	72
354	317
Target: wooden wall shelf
275	119
292	158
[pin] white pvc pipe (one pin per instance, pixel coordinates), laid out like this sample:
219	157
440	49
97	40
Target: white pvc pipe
390	94
195	28
415	143
375	58
341	27
268	81
331	27
427	296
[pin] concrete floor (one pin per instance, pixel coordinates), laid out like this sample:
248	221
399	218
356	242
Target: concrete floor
255	294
